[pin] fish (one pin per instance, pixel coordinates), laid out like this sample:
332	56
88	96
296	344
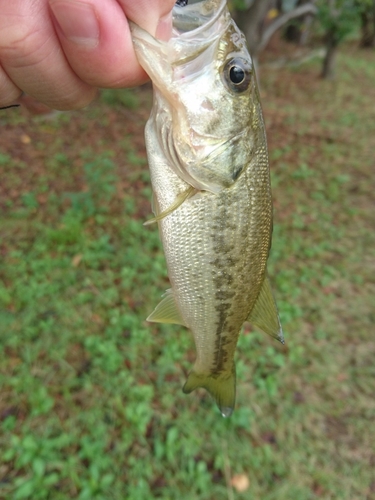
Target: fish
210	176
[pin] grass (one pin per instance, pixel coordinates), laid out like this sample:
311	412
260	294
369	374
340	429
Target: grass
91	404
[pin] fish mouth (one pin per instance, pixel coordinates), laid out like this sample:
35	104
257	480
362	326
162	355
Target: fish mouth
192	20
195	28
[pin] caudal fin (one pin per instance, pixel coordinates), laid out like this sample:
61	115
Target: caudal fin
221	387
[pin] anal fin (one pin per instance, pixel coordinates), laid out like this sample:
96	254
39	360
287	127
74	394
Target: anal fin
166	311
265	315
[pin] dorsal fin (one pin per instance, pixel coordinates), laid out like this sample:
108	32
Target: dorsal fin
166	311
264	314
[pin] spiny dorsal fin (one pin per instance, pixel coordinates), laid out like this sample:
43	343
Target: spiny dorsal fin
166	311
177	203
264	314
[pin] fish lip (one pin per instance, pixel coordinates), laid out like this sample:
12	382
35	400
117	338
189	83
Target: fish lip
139	34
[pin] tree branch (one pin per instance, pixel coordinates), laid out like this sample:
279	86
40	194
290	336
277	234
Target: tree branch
303	10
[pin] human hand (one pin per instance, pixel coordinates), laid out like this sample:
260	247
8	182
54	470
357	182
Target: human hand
60	51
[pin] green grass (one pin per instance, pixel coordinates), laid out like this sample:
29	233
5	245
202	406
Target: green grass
91	404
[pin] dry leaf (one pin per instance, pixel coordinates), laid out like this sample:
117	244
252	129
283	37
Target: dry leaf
240	482
96	319
76	260
25	139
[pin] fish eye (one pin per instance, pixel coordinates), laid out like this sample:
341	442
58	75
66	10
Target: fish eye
237	74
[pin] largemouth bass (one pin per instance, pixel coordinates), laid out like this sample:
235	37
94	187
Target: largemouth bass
207	154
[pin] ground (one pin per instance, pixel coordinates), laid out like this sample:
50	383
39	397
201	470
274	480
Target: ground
91	404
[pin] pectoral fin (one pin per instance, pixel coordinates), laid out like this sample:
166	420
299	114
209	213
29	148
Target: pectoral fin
177	203
221	387
264	314
166	311
154	205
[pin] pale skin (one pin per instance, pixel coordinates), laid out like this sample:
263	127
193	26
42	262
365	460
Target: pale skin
61	51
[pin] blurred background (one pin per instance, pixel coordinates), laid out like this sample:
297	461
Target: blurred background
91	405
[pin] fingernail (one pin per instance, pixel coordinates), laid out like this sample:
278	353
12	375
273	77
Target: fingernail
77	21
164	28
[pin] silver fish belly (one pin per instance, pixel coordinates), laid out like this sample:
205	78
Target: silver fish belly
208	160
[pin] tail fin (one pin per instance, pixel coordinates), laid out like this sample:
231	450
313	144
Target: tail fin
221	387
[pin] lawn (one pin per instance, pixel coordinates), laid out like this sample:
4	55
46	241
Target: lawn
91	406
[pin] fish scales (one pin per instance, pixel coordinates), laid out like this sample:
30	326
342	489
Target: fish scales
217	240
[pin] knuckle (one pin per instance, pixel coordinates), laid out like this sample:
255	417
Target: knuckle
76	99
9	92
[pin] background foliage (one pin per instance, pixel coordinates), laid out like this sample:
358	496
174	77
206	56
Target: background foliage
91	404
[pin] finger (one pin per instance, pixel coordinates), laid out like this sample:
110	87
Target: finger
153	16
96	38
9	92
31	55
